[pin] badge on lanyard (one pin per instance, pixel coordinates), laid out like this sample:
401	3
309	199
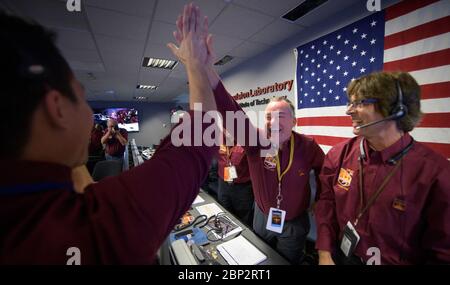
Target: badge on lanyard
229	173
350	239
275	221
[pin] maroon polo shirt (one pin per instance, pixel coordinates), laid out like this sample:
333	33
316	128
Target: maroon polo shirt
295	184
119	220
113	146
419	232
95	144
236	157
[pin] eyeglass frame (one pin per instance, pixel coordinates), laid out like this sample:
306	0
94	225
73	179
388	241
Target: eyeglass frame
358	103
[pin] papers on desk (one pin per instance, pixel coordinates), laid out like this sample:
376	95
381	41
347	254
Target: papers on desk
198	200
209	210
239	251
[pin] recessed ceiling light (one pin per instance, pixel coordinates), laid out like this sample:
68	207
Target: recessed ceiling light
150	87
140	98
302	9
224	60
159	63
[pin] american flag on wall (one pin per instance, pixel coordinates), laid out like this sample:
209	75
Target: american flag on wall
412	36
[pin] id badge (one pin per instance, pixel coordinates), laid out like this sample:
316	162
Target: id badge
350	239
229	173
232	172
275	221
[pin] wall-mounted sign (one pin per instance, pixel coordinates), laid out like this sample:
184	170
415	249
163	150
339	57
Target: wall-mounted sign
276	87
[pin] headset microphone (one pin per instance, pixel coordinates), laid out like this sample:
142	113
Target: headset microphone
399	111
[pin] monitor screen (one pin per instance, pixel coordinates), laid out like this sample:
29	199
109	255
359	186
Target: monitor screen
126	117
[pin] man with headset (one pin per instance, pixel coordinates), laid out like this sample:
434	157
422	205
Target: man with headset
385	198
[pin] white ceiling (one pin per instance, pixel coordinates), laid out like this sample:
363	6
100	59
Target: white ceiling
106	42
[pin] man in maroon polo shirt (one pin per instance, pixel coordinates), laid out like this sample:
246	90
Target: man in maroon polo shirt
385	198
115	140
120	220
235	188
280	182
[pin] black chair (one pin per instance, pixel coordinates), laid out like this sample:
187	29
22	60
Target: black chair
106	168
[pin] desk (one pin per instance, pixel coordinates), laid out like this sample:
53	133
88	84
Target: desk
273	258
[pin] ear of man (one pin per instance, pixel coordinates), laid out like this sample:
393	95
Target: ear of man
57	109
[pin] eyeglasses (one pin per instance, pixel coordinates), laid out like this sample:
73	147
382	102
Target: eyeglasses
359	103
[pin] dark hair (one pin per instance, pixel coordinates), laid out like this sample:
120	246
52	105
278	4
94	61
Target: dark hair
31	65
383	87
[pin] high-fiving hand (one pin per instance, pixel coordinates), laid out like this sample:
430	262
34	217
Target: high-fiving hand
195	44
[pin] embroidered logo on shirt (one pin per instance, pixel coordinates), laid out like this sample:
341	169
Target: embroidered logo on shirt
399	204
345	178
270	163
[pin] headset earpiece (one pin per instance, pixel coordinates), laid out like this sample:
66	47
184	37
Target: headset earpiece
400	110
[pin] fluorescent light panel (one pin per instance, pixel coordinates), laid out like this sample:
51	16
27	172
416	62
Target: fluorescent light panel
140	98
159	63
151	87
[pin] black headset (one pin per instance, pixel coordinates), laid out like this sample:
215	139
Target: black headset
400	110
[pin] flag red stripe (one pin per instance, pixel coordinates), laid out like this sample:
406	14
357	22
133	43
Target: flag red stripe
327	140
335	121
423	61
441	148
436	120
430	29
406	7
435	90
431	120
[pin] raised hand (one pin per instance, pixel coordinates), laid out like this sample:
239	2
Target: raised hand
195	45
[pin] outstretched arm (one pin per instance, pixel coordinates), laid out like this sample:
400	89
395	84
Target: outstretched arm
193	53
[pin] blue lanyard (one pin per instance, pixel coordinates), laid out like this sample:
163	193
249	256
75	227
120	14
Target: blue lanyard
33	188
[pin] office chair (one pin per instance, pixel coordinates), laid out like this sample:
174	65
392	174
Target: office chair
106	168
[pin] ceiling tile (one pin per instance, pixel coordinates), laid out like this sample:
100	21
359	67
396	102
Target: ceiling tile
249	49
168	10
120	55
276	32
117	24
223	44
270	7
74	39
152	76
87	55
142	8
239	22
161	33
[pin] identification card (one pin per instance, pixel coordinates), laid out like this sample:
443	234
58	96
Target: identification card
350	239
229	173
275	221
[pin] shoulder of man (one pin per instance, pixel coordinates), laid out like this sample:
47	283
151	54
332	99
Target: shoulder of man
425	152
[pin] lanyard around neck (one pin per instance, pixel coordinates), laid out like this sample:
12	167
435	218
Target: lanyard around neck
229	151
291	157
281	174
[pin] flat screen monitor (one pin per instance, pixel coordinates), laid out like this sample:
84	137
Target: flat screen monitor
126	117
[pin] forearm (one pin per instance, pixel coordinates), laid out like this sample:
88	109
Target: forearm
199	87
104	138
122	140
213	77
